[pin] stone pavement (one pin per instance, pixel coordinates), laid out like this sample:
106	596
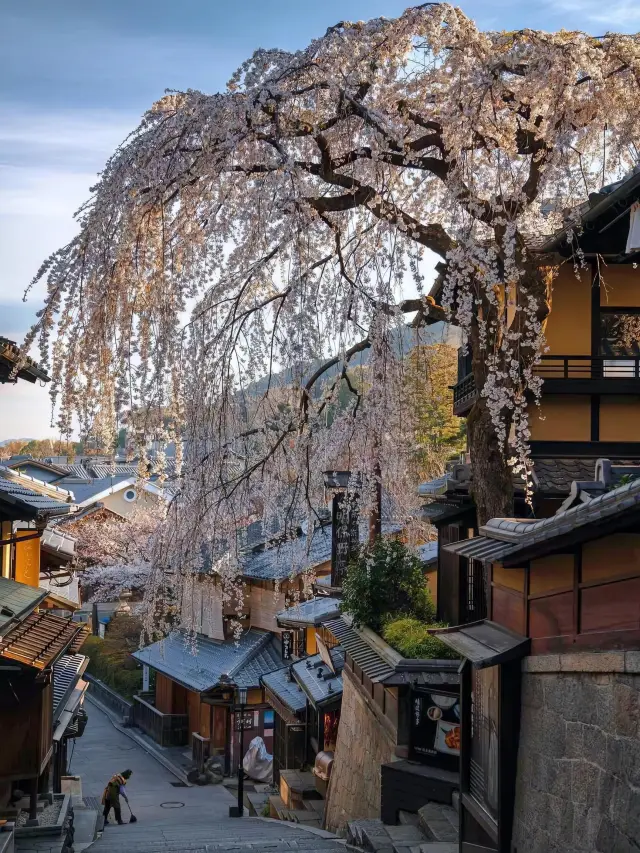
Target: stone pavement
174	819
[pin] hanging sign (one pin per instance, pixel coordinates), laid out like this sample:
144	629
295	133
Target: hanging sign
286	639
244	722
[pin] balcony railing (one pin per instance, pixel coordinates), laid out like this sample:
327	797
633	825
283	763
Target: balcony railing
165	729
464	395
569	368
589	367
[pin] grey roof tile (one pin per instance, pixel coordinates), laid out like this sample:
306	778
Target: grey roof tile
312	612
367	658
282	684
66	672
200	663
34	504
502	538
17	600
295	556
316	679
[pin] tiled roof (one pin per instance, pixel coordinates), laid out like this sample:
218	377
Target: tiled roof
316	679
200	664
294	556
367	658
285	689
312	612
10	353
503	538
76	471
40	639
428	553
554	476
28	501
118	469
17	600
66	672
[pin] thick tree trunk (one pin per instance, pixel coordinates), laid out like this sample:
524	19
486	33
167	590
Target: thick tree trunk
492	486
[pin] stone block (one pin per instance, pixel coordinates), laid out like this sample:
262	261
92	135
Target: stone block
626	711
574	739
593	662
585	783
532	692
595	746
632	662
541	663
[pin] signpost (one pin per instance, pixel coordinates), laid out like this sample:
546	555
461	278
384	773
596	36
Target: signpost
345	536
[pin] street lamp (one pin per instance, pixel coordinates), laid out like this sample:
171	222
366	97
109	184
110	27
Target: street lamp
238	811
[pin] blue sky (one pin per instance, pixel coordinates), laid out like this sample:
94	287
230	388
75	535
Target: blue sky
75	77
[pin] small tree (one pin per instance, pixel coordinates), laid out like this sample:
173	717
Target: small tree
383	580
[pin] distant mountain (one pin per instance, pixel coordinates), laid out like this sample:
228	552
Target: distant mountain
404	339
9	440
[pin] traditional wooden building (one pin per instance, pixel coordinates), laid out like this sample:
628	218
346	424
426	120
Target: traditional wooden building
590	402
563	591
31	644
306	698
195	701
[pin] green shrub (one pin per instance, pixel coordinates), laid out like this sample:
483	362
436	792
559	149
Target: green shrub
383	580
110	659
410	637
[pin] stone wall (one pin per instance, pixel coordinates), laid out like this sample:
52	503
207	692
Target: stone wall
364	744
578	785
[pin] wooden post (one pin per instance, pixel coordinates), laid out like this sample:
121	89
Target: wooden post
33	799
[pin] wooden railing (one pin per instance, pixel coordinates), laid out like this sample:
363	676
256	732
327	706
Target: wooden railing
464	394
567	367
200	749
588	367
165	729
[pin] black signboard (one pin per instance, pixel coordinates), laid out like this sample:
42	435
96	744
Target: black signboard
286	639
244	722
435	729
345	535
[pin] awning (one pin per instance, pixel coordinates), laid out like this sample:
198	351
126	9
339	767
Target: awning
70	710
484	643
310	613
370	662
481	548
285	694
41	639
437	512
62	603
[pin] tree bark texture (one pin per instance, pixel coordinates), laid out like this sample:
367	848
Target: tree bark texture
492	486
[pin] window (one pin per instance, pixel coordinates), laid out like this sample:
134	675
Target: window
484	738
269	719
130	495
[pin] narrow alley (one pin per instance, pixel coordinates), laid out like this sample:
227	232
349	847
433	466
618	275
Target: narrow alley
172	819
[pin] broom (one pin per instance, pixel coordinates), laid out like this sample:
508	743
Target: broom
132	817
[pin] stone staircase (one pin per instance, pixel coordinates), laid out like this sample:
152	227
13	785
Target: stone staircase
433	830
241	835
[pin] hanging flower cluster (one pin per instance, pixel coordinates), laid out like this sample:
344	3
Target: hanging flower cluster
287	214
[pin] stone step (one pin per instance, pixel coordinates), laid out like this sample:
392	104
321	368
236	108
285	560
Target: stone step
439	822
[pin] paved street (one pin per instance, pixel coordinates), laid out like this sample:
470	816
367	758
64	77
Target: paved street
172	818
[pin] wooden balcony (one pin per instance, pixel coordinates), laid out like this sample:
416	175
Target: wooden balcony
464	395
586	374
165	729
568	374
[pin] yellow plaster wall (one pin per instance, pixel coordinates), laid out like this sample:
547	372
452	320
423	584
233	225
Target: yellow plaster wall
566	418
511	578
621	288
116	502
619	418
568	328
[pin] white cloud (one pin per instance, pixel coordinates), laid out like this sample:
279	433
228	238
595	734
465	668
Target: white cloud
617	15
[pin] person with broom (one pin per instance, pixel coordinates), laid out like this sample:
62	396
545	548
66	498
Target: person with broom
111	796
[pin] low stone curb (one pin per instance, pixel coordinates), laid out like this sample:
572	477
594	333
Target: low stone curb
178	772
627	662
321	833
